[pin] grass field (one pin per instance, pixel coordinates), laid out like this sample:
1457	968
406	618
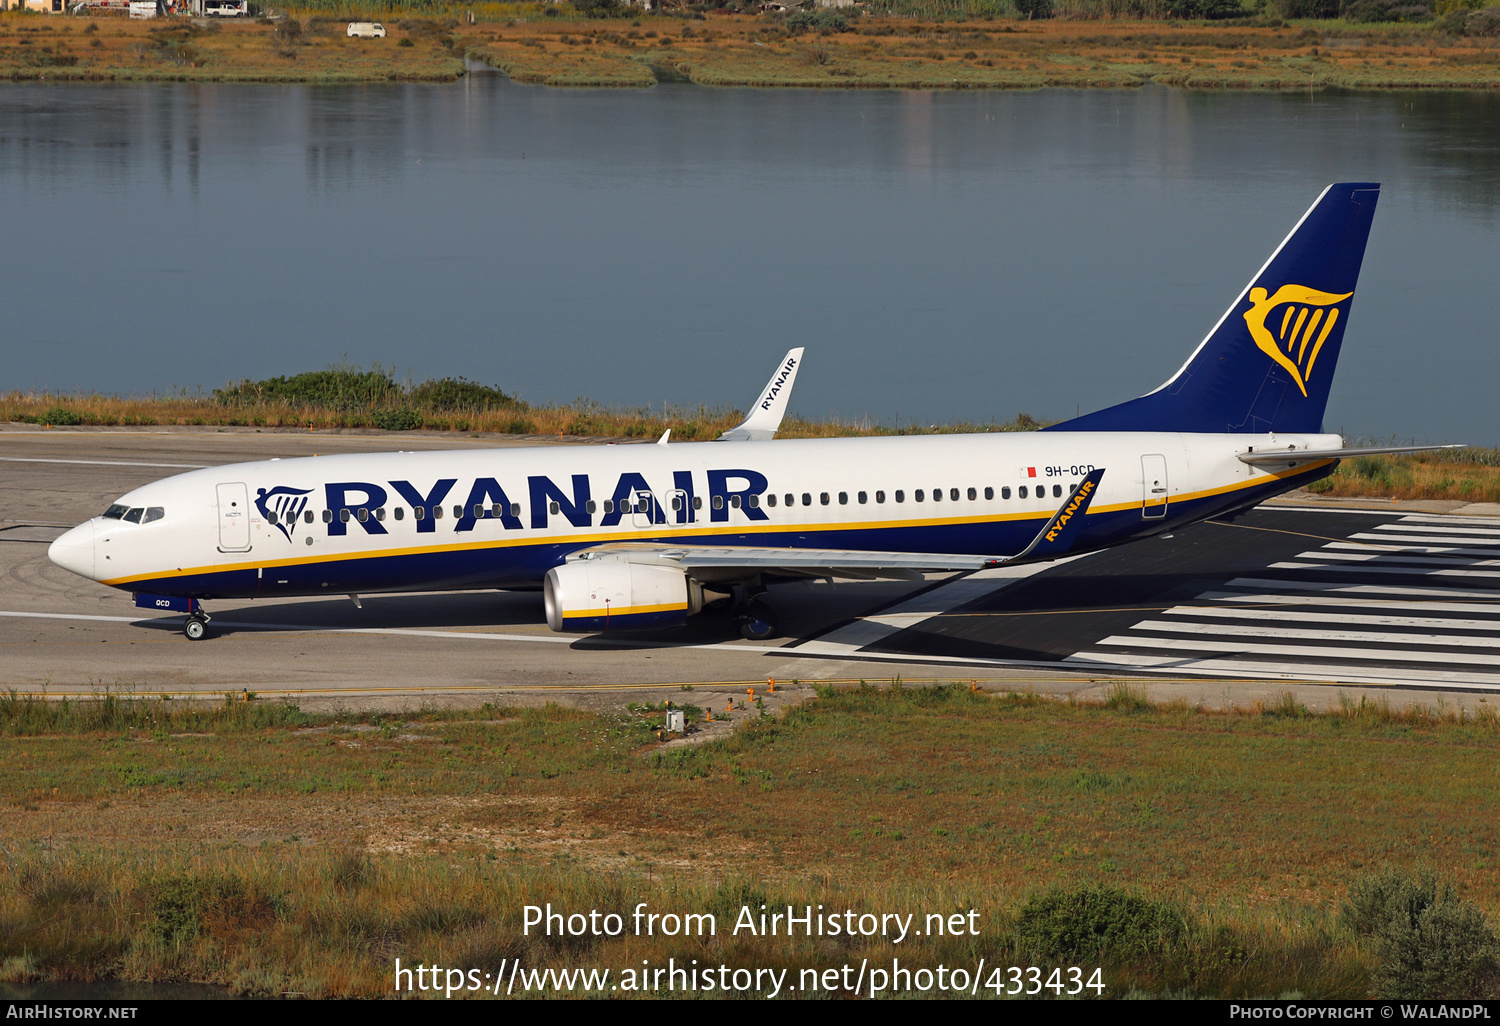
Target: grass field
254	846
748	50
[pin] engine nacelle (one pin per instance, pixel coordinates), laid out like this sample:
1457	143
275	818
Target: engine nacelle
613	595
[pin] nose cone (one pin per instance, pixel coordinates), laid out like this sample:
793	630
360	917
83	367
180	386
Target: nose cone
75	551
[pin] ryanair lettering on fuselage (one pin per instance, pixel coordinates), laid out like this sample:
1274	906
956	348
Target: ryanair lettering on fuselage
353	503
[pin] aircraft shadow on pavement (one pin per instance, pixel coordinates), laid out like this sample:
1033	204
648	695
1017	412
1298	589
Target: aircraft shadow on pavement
802	608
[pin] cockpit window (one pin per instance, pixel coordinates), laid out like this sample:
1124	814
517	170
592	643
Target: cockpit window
153	513
115	512
134	515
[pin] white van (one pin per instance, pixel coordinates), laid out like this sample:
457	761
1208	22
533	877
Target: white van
366	30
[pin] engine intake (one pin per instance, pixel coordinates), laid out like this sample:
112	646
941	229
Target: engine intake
613	595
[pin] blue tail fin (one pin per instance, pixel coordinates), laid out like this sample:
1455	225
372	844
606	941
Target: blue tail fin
1268	363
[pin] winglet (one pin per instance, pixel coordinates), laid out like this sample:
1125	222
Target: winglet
765	416
1057	537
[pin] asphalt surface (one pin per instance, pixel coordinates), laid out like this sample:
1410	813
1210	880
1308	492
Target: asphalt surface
1317	601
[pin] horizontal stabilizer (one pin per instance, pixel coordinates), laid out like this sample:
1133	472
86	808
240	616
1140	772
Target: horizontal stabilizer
1266	457
765	416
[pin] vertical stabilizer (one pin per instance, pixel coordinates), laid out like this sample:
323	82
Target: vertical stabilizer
1268	364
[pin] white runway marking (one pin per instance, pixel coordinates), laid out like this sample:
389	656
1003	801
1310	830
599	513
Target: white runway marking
852	638
103	463
1308	606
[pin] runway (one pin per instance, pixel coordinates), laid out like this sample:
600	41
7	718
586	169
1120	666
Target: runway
1397	598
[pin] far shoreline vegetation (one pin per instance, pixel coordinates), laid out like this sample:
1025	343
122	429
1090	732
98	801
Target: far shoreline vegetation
349	397
907	44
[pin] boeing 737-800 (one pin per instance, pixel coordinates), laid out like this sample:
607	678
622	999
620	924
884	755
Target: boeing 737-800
626	537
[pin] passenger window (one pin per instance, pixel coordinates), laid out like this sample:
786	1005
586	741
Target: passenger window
880	496
364	514
271	518
115	512
718	502
437	512
843	498
418	512
1021	492
697	502
609	505
807	498
676	503
1005	492
380	513
478	511
458	512
771	499
953	494
153	513
864	497
823	498
554	508
590	506
1072	488
400	512
989	493
917	495
937	495
900	495
328	516
308	516
1057	491
344	515
734	500
755	502
515	509
791	500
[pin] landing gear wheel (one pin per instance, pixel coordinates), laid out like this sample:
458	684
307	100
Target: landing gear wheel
757	622
196	628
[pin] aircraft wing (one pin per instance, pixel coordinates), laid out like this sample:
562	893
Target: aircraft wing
770	406
1278	456
1052	541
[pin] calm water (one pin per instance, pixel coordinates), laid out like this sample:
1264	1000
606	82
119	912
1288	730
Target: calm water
942	256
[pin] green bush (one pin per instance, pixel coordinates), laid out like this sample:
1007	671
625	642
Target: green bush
339	387
184	906
398	418
825	21
448	394
1099	923
57	415
1432	943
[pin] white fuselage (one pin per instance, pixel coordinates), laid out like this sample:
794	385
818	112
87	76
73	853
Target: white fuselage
407	521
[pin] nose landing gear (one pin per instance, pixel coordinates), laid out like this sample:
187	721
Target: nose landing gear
196	627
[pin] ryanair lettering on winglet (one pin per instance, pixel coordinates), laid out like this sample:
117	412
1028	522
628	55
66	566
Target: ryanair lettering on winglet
1304	324
779	383
1079	498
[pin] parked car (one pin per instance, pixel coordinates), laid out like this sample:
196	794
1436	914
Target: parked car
366	30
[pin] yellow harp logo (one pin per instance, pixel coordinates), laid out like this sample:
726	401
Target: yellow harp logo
1301	329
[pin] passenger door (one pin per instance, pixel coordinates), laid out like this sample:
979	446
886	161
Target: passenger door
234	517
1153	487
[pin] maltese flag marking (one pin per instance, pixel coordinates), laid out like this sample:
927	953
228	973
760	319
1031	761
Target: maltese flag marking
1028	472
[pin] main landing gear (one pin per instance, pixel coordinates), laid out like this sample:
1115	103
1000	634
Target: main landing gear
196	627
755	619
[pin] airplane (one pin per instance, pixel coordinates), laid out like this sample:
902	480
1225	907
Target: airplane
633	537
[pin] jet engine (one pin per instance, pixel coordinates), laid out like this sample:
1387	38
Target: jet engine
615	595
